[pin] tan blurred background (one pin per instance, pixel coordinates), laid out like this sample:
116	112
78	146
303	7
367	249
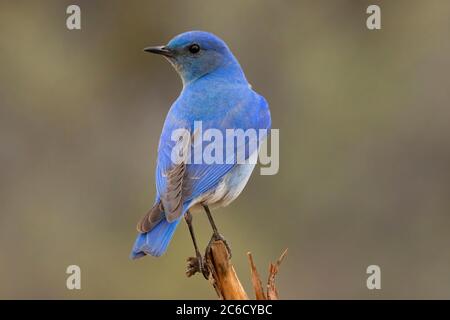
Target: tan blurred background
364	121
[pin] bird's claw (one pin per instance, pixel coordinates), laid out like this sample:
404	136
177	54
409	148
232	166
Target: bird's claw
196	264
219	237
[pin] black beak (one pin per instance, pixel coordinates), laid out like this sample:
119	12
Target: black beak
160	50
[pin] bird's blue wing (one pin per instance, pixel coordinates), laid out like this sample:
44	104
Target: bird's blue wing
199	178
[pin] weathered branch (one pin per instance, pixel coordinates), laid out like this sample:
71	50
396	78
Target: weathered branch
272	293
256	280
222	275
225	281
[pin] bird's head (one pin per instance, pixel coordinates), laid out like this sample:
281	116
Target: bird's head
197	53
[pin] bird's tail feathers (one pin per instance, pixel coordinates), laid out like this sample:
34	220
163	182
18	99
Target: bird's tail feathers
156	241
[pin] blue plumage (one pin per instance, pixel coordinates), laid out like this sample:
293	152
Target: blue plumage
216	92
156	241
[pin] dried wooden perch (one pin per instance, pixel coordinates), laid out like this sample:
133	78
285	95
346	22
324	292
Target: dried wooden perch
225	281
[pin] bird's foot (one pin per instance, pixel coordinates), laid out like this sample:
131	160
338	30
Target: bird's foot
196	264
219	237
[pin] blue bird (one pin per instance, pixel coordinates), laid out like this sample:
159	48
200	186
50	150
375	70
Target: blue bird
215	92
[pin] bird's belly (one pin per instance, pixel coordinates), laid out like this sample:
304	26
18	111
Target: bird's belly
228	188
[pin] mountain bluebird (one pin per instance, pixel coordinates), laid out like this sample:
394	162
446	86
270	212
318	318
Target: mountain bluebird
215	92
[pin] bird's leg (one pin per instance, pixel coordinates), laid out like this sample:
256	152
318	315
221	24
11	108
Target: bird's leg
194	264
216	235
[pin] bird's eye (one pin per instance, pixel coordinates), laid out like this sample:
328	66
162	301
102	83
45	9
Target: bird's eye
194	48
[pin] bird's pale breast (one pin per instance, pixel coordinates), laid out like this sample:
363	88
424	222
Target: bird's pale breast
228	189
